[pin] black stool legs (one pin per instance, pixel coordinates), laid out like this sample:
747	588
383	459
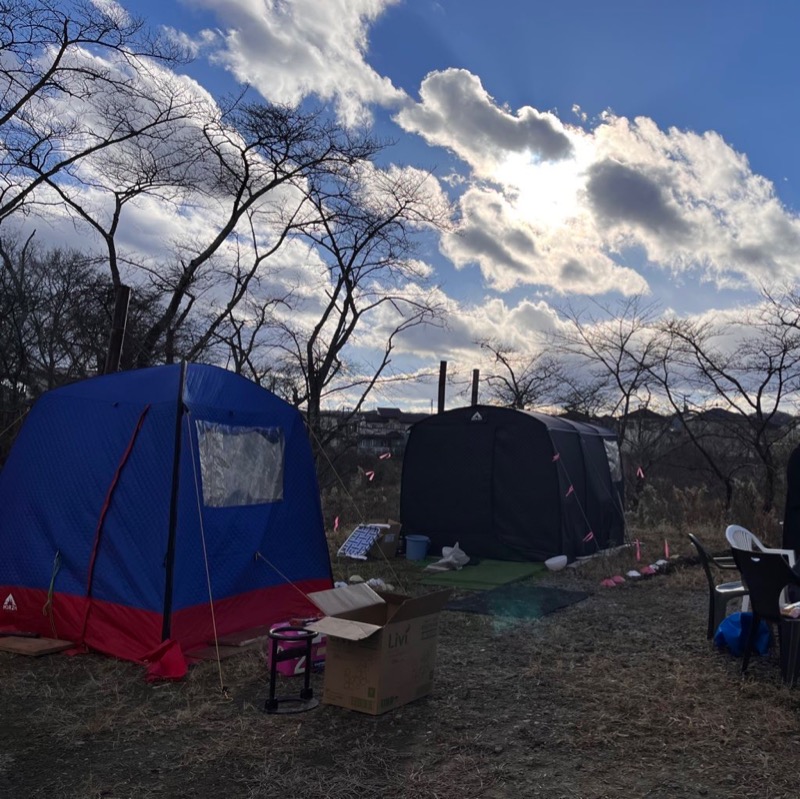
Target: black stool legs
290	704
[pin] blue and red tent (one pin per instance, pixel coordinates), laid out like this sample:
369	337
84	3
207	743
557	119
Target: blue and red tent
176	503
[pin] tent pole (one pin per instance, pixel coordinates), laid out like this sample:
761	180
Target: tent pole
442	382
122	300
169	560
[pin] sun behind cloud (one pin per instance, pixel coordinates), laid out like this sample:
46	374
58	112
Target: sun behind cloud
549	204
546	194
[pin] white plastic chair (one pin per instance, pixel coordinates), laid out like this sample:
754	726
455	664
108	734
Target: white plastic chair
741	538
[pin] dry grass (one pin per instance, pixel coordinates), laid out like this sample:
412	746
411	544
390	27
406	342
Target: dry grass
618	696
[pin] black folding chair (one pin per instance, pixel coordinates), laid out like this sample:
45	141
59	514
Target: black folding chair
718	594
766	574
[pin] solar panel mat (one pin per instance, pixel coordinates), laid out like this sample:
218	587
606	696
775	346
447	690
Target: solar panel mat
360	541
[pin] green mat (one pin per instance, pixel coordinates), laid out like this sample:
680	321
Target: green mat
486	574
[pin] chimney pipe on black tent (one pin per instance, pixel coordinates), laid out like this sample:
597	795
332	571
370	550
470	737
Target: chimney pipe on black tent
442	379
476	375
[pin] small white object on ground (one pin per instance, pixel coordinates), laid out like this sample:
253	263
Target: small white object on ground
453	558
456	555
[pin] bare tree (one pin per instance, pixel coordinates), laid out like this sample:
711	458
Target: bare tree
71	87
91	122
48	312
523	381
610	348
264	157
652	440
746	370
55	312
364	225
583	396
236	334
164	163
247	166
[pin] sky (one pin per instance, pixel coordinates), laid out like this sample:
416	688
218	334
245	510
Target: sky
594	151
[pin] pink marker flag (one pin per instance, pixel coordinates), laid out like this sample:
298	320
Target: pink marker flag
385	456
588	537
637	544
666	549
335	524
556	456
370	475
640	473
569	491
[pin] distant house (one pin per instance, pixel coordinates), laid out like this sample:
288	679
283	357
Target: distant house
386	430
376	432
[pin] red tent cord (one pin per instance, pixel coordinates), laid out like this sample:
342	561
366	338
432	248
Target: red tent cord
103	513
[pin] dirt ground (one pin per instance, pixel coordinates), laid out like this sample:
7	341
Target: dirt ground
617	696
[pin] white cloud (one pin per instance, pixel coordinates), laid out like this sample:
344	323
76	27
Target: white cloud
542	203
456	112
699	203
191	45
512	250
551	204
520	326
291	50
113	10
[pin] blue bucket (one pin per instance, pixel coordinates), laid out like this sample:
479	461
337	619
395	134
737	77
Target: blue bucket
417	547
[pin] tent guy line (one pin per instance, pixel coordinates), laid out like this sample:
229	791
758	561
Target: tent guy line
199	500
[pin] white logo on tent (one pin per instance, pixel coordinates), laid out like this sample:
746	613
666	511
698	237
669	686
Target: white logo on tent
476	417
10	604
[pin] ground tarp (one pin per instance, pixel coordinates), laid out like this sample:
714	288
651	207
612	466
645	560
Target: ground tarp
484	575
517	601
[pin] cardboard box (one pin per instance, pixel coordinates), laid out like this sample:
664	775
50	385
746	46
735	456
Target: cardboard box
381	647
386	545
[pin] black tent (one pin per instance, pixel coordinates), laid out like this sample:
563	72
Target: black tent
512	485
791	516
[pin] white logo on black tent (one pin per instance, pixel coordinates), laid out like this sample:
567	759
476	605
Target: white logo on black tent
476	417
10	604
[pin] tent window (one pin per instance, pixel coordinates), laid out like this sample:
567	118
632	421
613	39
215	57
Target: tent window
240	465
614	462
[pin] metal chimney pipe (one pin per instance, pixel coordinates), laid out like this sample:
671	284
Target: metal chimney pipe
442	380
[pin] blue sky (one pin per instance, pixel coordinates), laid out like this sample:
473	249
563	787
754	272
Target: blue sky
729	67
594	150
